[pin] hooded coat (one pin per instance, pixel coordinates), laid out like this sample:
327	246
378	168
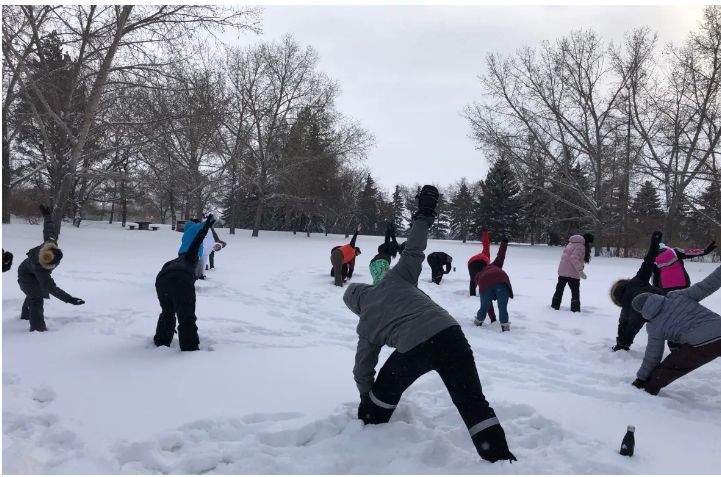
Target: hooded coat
670	271
189	232
680	318
395	312
493	274
34	273
572	263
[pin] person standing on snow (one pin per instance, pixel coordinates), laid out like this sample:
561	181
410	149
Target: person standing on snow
211	259
342	258
623	292
570	271
678	317
381	263
7	260
440	263
426	338
175	286
34	276
670	272
494	284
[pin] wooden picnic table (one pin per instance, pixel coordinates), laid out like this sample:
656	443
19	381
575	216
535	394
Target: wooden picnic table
143	225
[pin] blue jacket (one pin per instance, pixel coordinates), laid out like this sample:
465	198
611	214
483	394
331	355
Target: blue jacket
191	230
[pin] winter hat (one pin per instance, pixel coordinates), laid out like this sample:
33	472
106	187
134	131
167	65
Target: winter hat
353	295
49	255
617	291
648	304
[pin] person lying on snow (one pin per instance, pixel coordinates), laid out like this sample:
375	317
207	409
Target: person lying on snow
678	317
570	270
670	272
34	276
426	338
175	286
494	284
623	292
387	251
342	258
440	263
7	260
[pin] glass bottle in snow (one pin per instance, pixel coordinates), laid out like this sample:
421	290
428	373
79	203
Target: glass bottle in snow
629	442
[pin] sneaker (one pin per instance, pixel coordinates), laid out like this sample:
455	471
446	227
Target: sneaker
505	327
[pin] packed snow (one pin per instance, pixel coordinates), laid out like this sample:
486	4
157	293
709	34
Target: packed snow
271	390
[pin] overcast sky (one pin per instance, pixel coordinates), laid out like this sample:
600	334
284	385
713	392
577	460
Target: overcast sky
406	72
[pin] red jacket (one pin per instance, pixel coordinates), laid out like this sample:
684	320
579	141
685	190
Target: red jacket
485	255
348	253
493	274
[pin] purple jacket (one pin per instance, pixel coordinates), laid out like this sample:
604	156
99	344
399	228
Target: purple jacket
572	263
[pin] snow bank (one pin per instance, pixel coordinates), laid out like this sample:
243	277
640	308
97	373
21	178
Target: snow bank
271	390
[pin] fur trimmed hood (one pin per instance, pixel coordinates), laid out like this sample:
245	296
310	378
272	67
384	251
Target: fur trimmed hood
49	255
617	290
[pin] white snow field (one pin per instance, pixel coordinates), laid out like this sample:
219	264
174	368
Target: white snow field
271	390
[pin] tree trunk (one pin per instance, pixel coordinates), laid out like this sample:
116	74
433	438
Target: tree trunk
112	212
6	173
258	217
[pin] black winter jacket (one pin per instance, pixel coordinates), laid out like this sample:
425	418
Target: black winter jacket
186	262
33	276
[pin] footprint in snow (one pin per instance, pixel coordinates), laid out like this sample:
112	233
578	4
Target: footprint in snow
44	394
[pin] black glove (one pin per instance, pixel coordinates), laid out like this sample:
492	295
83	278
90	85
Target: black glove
639	383
44	209
76	301
711	247
365	409
491	444
427	201
7	261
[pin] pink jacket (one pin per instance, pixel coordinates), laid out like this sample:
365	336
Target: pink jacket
572	263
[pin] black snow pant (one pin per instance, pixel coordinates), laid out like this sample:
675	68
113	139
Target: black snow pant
211	259
629	324
447	353
176	293
682	360
574	284
33	310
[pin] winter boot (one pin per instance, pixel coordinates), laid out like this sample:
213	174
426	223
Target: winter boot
39	327
575	306
619	347
505	327
477	322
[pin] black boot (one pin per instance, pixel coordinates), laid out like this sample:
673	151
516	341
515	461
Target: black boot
491	444
575	306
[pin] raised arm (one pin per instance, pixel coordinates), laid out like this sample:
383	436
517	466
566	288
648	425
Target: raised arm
683	254
647	267
704	288
355	236
215	234
501	254
48	225
192	253
364	371
411	262
486	240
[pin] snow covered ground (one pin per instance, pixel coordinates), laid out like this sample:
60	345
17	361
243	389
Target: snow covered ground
271	391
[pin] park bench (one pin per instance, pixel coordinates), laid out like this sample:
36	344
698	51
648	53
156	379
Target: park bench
131	227
154	228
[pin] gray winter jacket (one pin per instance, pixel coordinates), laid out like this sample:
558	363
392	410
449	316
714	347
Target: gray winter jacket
679	317
395	312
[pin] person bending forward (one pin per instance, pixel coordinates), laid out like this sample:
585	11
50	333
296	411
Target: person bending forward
426	338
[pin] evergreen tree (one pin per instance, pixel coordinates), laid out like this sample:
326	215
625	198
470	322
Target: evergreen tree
646	211
500	205
441	226
368	210
460	211
397	205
